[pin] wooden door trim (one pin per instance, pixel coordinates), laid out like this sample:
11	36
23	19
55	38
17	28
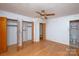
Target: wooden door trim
45	30
32	31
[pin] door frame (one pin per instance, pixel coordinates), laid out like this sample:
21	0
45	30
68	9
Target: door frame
32	31
77	49
70	27
14	20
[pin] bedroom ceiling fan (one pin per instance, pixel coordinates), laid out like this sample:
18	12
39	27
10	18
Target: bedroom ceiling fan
44	14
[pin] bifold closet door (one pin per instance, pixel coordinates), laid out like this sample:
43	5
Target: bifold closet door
12	35
25	36
3	34
29	33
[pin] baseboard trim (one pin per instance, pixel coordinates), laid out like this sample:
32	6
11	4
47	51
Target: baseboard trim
35	41
58	42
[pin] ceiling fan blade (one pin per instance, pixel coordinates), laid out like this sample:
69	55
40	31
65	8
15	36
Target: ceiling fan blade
38	13
43	11
50	14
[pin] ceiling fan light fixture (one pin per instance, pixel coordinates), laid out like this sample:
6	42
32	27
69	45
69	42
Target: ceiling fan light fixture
44	14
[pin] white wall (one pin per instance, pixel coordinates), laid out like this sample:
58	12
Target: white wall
58	28
15	16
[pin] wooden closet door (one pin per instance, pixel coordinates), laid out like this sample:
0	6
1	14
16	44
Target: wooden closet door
44	31
3	34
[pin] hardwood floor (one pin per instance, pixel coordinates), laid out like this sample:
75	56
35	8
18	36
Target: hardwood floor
43	48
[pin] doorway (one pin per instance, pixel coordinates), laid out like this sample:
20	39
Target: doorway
26	32
12	34
42	31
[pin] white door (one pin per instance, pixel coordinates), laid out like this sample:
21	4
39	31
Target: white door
25	37
12	35
29	33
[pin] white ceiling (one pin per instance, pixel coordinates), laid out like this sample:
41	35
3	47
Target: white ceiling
28	9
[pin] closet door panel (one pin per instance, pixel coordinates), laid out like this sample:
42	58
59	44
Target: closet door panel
29	33
11	35
44	31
